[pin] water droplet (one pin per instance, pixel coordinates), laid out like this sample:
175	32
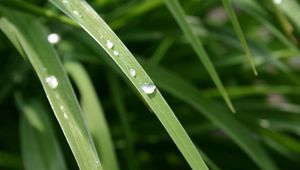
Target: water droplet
53	38
148	88
98	163
116	53
51	81
132	72
101	36
277	2
77	14
109	44
65	1
61	107
65	115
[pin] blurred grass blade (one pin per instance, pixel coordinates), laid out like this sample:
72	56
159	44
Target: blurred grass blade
118	99
94	116
227	122
292	10
239	31
83	14
30	37
40	147
180	17
10	161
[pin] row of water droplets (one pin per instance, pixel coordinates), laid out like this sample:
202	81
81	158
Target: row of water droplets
148	88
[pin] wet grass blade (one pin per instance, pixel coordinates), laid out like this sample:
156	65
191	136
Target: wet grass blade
239	32
94	115
83	14
29	37
40	147
180	16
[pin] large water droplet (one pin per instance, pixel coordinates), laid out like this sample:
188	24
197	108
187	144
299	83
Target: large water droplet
51	81
109	44
116	53
277	2
77	14
132	72
148	88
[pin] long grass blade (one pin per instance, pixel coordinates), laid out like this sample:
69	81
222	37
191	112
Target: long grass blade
238	30
40	147
83	14
180	16
94	116
188	93
23	30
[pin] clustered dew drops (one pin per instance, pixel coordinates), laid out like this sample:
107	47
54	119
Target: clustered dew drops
52	82
148	88
77	14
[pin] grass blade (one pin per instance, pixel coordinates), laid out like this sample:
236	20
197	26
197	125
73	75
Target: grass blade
238	30
180	17
83	14
40	148
24	30
227	122
94	116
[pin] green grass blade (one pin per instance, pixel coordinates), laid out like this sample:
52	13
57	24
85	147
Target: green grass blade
238	30
83	14
292	9
94	116
40	147
10	161
227	122
31	38
118	100
180	17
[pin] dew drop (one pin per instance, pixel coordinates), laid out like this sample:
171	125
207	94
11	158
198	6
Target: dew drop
132	72
109	44
51	81
277	2
98	163
101	36
116	53
65	115
77	14
53	38
65	1
148	88
61	107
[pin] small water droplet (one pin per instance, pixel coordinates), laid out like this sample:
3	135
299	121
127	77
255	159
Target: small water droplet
277	2
61	107
65	1
53	38
148	88
65	115
116	53
98	163
77	14
51	81
109	44
101	36
132	72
